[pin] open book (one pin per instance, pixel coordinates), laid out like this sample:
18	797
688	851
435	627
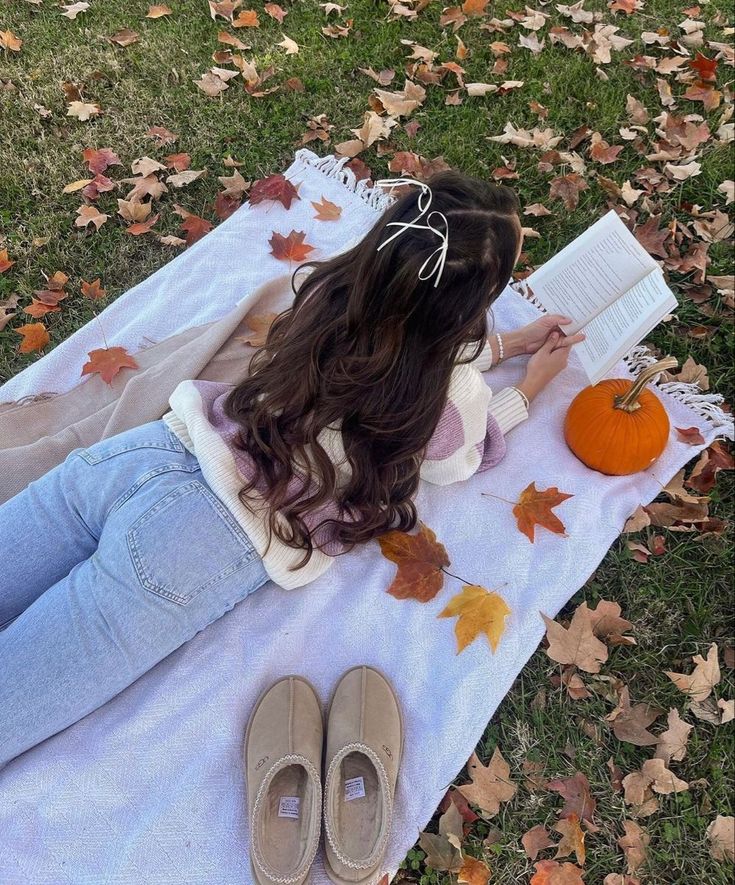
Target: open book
609	286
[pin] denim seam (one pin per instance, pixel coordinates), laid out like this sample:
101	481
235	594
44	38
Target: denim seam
162	468
173	444
237	533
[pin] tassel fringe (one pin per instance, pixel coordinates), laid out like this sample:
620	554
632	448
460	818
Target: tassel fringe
705	405
334	167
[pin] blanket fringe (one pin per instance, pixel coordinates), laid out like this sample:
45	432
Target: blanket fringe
706	405
334	167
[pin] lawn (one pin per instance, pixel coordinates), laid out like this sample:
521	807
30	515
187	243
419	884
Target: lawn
679	602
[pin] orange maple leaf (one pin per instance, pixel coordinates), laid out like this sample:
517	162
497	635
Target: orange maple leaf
549	872
98	160
473	872
108	361
474	7
420	559
326	210
5	262
39	309
290	248
93	290
248	18
534	508
144	227
274	187
35	337
573	838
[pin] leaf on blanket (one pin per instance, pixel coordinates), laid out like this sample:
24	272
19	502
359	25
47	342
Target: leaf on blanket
550	872
326	210
420	559
290	248
35	337
491	783
260	324
479	611
275	187
108	361
534	508
692	436
576	644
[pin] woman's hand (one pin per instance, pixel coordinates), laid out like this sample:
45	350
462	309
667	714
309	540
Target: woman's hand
530	338
546	363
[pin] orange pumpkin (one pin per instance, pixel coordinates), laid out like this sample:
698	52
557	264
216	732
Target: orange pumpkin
618	427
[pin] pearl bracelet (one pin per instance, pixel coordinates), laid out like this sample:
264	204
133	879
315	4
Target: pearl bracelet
500	348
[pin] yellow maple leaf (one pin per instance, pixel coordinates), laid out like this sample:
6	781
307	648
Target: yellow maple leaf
479	611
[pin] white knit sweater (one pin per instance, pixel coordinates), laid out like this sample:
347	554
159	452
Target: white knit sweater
469	438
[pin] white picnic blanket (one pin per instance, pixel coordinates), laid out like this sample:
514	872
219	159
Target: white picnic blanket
150	788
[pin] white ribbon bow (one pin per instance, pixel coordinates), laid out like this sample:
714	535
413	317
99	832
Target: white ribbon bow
423	204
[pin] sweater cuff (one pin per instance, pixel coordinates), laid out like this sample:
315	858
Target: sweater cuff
508	409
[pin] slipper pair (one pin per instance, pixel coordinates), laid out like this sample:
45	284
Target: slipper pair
284	755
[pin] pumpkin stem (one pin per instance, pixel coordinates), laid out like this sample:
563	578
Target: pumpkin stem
628	402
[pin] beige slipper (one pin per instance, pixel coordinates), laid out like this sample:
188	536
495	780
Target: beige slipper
282	758
363	753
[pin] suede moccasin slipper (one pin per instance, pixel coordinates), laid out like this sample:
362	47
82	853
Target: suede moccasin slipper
363	753
282	758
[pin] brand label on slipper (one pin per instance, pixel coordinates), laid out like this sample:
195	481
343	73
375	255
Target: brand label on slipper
354	788
288	806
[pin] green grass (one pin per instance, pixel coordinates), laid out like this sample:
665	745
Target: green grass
680	602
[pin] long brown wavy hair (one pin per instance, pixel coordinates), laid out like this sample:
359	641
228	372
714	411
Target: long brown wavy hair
369	345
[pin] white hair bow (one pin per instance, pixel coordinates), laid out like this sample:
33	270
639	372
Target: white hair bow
424	201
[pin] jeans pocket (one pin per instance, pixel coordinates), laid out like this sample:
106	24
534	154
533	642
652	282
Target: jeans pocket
187	542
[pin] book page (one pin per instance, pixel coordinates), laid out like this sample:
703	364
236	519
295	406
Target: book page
623	324
590	273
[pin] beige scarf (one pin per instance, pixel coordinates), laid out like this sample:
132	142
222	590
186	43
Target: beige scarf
38	433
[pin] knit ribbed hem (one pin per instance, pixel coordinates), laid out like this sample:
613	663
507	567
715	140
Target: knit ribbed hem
508	409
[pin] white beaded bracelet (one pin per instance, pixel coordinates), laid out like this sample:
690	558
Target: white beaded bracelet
500	348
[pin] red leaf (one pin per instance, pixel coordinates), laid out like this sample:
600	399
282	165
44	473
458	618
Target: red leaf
98	160
290	248
274	187
224	205
705	67
690	435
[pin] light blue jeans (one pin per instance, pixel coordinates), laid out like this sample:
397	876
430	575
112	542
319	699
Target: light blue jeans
108	563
